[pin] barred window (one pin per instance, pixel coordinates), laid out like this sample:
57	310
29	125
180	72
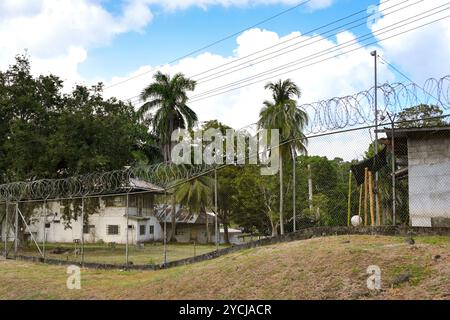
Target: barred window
133	200
148	201
151	229
88	228
112	230
142	230
115	201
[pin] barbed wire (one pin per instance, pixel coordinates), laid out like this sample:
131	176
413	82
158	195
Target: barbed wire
325	116
153	178
358	109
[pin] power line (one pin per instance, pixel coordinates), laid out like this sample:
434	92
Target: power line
222	90
407	78
215	42
251	62
326	51
291	39
316	55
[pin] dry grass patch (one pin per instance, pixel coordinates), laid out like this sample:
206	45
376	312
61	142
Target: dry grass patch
319	268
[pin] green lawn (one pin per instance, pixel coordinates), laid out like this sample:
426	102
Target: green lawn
101	253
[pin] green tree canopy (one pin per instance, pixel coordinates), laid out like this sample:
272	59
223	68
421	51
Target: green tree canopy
284	114
166	107
420	113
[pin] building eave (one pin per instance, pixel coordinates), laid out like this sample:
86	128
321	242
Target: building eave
405	132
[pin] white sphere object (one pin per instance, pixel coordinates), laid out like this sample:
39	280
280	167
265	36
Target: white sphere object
356	221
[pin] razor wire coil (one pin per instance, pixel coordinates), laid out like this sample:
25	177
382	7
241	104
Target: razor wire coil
325	115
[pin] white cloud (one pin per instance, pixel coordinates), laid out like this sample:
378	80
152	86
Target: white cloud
338	76
424	52
184	4
58	33
421	53
10	8
52	29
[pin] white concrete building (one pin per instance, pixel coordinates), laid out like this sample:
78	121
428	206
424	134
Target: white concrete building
191	227
425	156
111	223
234	236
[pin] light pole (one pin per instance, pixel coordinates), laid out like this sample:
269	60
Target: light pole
375	55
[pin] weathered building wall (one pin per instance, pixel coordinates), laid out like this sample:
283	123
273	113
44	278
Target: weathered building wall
186	233
98	226
429	180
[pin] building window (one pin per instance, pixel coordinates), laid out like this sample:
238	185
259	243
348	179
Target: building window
88	228
142	230
148	200
151	229
115	201
132	200
112	230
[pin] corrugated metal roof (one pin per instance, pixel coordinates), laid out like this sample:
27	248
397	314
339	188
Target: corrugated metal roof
183	215
144	185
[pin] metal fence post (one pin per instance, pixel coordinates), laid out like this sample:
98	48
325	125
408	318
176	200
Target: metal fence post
127	231
6	229
45	230
349	204
16	233
165	234
310	189
82	231
165	238
216	209
394	192
294	228
375	55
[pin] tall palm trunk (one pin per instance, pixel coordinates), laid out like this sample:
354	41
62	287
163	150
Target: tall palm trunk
281	196
169	143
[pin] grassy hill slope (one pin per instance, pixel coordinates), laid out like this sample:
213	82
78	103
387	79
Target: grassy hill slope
319	268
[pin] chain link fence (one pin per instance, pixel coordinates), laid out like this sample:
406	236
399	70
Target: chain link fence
339	183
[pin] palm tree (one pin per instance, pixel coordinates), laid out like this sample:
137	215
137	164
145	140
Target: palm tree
167	98
284	114
196	195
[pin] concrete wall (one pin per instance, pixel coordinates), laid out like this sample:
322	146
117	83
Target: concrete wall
429	180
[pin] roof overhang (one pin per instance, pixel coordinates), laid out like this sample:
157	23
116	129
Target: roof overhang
137	218
407	132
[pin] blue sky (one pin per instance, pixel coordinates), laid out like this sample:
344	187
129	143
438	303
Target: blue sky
172	34
126	42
